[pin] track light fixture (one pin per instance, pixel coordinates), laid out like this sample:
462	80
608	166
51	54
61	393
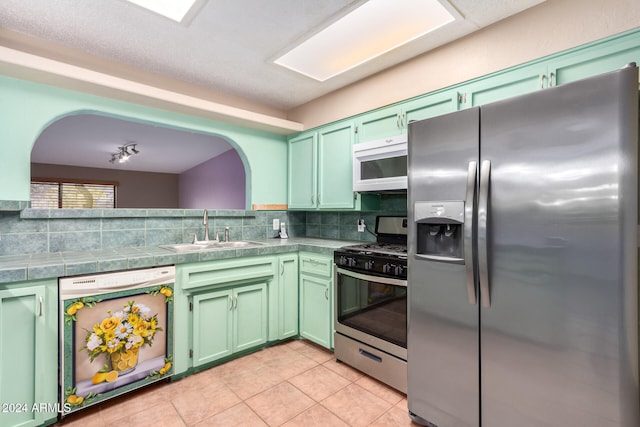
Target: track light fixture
123	153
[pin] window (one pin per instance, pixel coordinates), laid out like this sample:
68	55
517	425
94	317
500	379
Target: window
55	194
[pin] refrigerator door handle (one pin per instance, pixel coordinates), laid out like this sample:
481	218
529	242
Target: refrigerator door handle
483	214
469	203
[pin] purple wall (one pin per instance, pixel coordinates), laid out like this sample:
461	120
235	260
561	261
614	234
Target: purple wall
218	183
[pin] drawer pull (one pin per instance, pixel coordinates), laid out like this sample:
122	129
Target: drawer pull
370	355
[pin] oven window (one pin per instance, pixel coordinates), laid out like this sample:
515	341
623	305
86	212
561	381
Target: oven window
383	168
373	308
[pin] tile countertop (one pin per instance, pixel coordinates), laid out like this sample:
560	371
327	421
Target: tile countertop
18	268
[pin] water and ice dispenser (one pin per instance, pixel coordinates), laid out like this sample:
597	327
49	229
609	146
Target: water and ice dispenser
440	228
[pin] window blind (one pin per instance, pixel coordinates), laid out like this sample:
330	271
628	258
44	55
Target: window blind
70	195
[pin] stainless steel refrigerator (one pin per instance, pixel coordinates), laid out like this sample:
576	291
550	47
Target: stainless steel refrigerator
522	252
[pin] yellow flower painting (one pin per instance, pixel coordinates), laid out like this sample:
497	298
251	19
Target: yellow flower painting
122	333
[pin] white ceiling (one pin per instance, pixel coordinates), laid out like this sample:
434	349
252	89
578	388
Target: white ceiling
228	46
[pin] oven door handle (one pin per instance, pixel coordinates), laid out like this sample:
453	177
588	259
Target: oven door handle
377	279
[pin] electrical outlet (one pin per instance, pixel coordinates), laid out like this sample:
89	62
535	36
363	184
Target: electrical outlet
361	226
276	224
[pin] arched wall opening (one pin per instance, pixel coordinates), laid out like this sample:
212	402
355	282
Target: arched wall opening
176	167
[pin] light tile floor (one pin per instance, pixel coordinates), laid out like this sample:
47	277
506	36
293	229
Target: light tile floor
293	384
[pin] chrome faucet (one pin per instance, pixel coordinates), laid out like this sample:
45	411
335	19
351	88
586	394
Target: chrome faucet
226	234
205	222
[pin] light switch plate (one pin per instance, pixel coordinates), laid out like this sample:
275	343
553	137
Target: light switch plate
276	224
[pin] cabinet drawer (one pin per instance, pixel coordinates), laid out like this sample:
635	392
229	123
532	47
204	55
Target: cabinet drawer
226	272
314	264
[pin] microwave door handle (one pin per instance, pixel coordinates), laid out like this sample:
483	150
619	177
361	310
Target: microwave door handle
483	220
469	229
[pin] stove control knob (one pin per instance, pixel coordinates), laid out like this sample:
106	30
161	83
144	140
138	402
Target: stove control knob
369	265
351	262
387	268
399	270
342	260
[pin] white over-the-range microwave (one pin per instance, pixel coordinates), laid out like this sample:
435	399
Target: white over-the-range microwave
380	165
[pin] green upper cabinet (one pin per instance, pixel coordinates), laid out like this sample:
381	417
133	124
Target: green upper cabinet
514	82
380	124
558	69
28	353
303	171
335	167
320	169
428	106
594	60
393	120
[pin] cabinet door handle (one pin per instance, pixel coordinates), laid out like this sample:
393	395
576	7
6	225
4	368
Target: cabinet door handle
230	302
542	79
282	268
551	76
326	293
40	308
312	200
236	304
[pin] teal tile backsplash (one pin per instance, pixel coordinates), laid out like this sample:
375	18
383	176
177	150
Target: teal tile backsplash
34	231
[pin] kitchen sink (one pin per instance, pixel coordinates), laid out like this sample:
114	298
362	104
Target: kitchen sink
210	245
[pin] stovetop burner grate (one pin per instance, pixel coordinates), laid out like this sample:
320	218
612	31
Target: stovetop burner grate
377	248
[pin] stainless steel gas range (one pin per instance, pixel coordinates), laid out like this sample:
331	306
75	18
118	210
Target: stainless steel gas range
371	304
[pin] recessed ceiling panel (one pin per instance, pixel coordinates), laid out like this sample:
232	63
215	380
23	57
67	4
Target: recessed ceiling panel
371	30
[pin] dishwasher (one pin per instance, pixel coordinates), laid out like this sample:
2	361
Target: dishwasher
115	334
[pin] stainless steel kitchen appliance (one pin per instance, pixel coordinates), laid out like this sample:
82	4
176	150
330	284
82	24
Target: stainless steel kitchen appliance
380	165
523	296
116	334
371	303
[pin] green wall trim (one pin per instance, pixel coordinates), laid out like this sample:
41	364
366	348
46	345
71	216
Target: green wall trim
27	108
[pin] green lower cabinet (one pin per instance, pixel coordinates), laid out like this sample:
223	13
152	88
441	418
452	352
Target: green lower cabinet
28	354
250	317
315	309
316	301
228	321
288	296
212	326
